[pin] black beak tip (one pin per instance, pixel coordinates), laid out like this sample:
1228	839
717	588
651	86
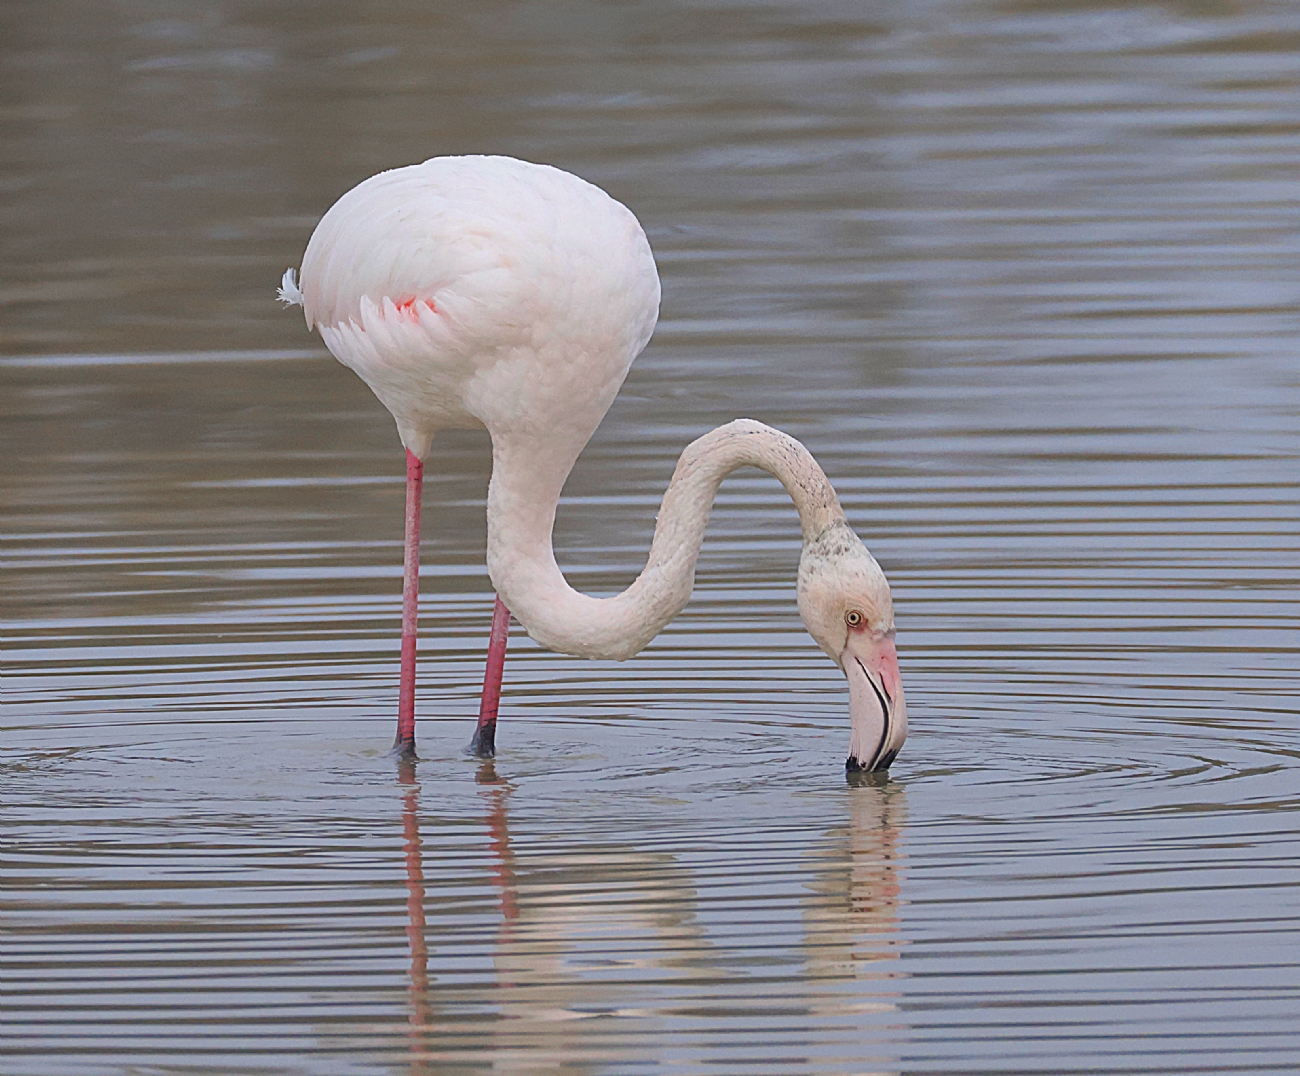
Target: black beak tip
854	767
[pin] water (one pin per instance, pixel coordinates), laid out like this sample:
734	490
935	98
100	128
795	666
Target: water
1021	274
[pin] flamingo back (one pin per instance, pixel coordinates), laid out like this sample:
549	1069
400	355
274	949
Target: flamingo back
470	291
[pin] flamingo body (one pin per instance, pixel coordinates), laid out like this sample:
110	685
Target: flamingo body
483	291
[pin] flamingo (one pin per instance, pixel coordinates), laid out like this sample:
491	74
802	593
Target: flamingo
480	291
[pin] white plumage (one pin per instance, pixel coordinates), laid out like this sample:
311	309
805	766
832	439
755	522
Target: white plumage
472	291
288	292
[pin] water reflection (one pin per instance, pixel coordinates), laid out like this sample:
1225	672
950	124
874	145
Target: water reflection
608	954
421	1012
851	918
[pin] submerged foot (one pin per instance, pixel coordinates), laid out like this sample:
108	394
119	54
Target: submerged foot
484	743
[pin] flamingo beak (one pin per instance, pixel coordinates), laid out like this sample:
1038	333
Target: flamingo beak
877	709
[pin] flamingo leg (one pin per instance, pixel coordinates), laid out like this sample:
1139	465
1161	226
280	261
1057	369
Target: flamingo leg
484	744
404	745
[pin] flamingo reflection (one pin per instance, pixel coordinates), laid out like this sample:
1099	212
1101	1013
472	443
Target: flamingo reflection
616	933
415	932
851	915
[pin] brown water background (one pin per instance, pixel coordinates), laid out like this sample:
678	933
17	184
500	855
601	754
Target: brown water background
1023	275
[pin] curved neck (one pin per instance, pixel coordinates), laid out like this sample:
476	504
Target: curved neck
526	482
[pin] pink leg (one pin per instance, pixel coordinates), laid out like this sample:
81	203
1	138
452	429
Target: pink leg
405	742
484	744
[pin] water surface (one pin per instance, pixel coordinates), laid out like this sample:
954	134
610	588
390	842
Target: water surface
1021	274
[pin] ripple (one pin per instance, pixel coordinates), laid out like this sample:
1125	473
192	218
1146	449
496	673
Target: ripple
1020	274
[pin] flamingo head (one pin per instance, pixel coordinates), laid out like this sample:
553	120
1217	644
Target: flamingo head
846	606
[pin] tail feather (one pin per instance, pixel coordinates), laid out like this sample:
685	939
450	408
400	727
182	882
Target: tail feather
288	292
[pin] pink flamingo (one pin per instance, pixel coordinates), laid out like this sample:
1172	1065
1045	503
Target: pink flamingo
490	292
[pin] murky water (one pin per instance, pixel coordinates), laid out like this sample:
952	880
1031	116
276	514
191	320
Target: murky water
1023	276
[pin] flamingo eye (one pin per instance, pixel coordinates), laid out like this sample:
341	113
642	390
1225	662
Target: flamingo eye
854	619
